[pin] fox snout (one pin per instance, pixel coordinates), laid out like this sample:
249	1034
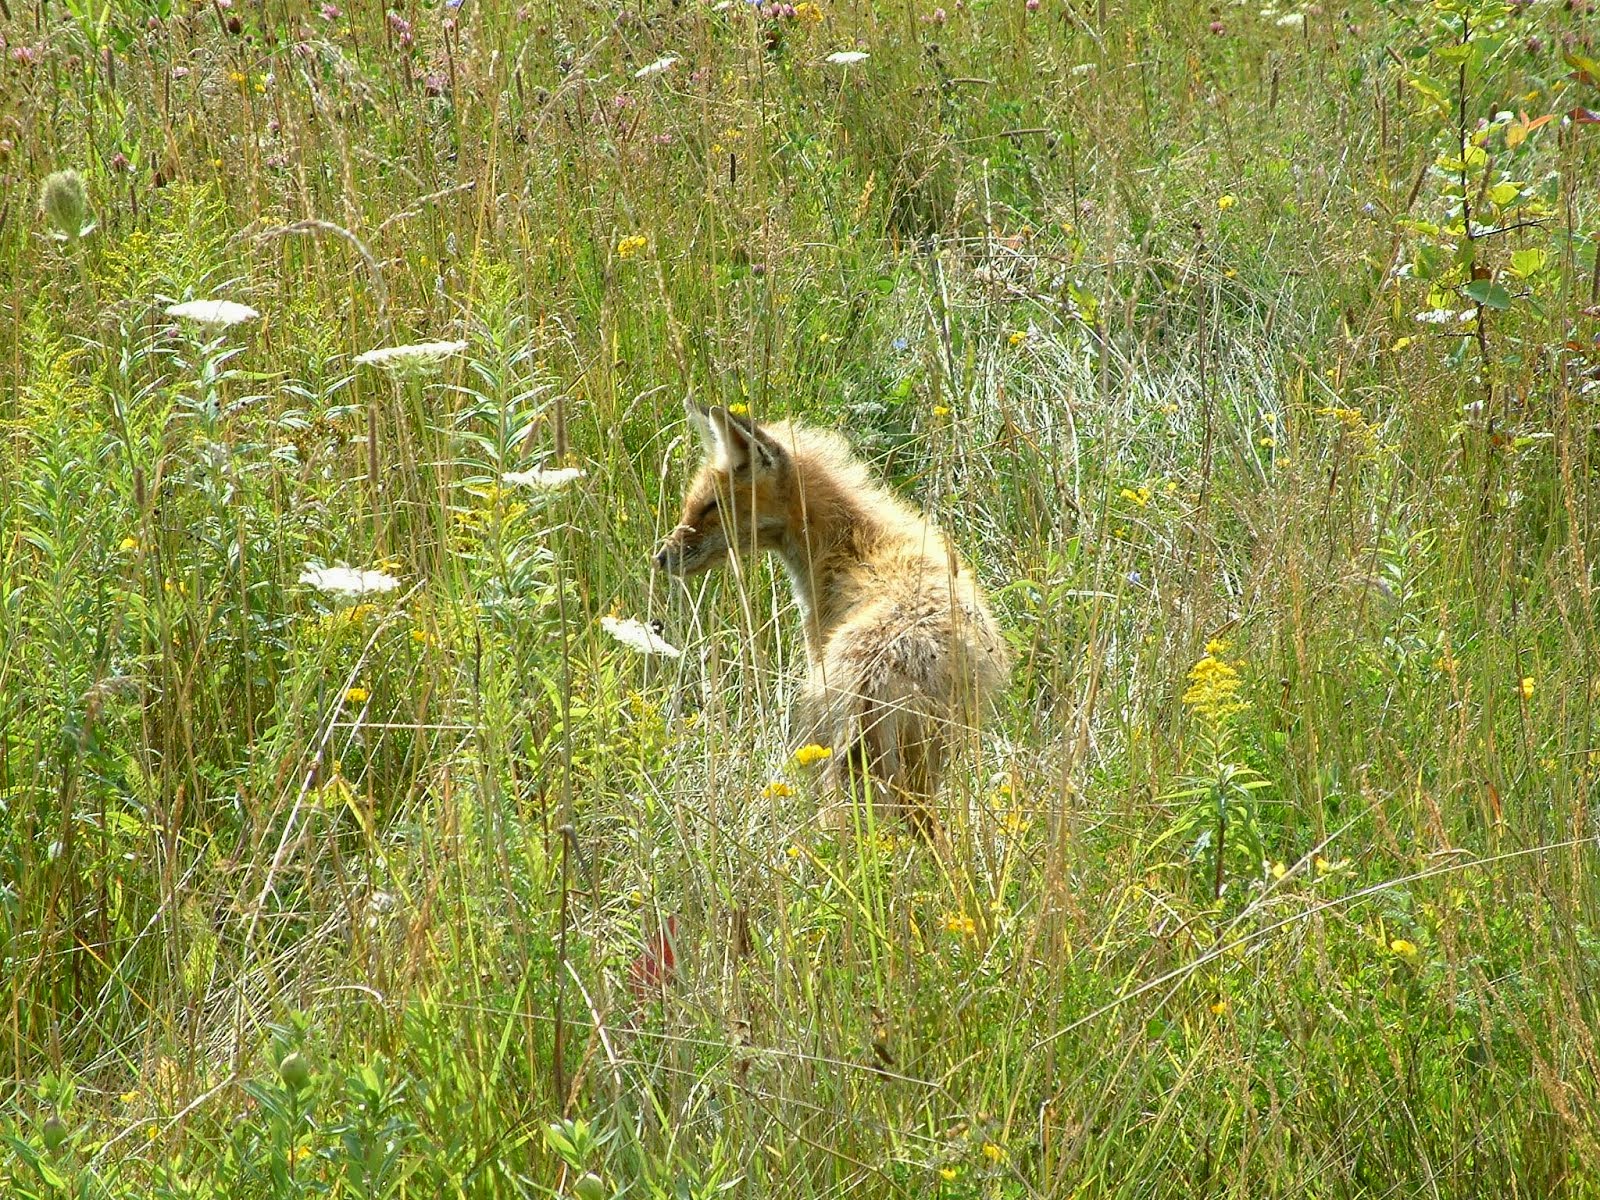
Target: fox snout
669	555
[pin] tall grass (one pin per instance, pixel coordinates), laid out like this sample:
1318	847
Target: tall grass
1247	351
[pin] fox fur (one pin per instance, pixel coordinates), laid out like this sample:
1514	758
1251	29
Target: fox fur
903	653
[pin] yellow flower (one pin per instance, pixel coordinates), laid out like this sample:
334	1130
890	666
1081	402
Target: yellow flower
1018	337
1400	344
1220	1007
1268	442
1279	870
739	410
941	410
1224	203
1526	687
811	753
1214	685
776	790
128	543
807	11
1403	949
423	638
629	246
794	852
960	923
947	1173
237	77
1139	496
993	1153
356	695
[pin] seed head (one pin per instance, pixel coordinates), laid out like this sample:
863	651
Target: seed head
64	201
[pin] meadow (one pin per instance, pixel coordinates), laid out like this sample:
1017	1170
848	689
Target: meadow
1249	351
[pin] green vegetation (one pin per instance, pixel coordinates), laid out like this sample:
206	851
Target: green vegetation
1249	350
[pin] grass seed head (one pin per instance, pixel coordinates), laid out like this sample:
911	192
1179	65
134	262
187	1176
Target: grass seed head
64	201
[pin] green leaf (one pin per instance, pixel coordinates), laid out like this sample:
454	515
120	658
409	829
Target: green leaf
1528	262
1488	293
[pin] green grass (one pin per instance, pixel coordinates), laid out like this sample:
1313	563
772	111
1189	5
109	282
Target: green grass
1173	317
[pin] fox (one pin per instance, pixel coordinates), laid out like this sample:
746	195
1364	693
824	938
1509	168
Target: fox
902	651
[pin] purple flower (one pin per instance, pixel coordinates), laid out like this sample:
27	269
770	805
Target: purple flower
330	12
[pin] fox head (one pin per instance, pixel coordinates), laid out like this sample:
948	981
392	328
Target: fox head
738	500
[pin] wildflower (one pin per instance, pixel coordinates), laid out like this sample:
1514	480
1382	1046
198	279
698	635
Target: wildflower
1436	316
238	78
656	68
1267	442
811	753
629	246
794	851
1214	685
212	312
1525	687
776	790
808	12
739	410
1220	1007
330	12
348	581
544	479
64	200
128	544
993	1153
1279	870
846	58
1139	496
1292	21
356	695
1018	337
423	638
948	1173
638	636
941	410
960	923
416	358
1224	203
1403	949
1325	867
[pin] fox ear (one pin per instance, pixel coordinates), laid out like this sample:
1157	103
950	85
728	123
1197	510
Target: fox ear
735	441
700	418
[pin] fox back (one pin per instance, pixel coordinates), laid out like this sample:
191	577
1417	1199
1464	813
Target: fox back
903	653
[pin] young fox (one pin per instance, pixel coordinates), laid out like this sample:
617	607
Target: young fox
903	652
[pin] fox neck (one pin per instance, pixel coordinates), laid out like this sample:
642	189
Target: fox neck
823	550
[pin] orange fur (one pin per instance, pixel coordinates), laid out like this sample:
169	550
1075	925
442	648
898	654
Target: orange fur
903	652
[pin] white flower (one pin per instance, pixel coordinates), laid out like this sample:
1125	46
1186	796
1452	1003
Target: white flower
661	64
846	58
544	479
347	580
639	636
1083	69
212	312
1292	21
414	359
1436	316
